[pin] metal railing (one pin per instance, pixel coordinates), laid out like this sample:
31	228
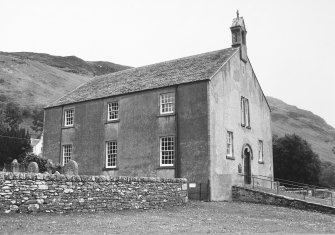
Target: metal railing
307	192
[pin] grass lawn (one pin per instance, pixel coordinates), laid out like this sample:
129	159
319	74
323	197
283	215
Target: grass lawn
195	217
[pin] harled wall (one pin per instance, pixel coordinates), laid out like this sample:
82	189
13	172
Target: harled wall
236	79
137	133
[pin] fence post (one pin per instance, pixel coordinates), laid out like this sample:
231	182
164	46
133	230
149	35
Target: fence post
277	187
200	191
253	181
331	198
303	193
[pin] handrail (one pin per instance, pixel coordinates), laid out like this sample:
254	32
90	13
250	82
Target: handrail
298	183
300	190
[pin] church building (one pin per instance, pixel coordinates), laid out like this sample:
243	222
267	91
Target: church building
202	117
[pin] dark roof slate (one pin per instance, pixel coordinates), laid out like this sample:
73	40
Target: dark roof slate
169	73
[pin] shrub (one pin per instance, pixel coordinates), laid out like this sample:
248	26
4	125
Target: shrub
57	167
327	175
31	157
294	160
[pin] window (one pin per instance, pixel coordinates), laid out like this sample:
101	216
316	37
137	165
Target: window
113	111
260	151
230	150
167	150
245	113
68	117
67	153
167	103
242	112
111	154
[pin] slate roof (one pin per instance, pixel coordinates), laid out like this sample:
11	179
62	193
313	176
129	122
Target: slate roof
164	74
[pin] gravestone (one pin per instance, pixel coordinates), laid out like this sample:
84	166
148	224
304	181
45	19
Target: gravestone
33	167
15	166
49	166
71	168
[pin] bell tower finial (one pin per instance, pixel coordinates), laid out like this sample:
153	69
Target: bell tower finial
239	33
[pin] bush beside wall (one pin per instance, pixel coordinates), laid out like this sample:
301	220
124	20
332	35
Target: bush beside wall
24	192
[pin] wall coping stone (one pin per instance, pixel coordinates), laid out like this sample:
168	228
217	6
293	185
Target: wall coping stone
85	178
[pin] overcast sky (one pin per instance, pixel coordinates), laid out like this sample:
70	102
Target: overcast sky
291	44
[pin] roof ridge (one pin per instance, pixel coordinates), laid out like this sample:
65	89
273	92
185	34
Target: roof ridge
166	61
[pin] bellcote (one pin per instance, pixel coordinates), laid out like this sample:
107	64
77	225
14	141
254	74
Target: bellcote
239	33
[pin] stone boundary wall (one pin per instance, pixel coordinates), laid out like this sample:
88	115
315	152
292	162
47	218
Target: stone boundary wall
255	196
28	192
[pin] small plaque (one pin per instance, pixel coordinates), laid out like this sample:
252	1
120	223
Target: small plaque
192	185
240	168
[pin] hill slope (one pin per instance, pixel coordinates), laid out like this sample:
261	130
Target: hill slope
70	64
31	83
288	119
32	79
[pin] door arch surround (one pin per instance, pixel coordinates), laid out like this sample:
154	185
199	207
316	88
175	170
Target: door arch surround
247	156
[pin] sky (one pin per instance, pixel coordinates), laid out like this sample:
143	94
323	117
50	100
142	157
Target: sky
291	43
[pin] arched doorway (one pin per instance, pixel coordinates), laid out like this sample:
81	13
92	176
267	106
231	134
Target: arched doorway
247	157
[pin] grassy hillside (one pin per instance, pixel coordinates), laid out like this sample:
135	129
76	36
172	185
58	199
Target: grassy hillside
288	119
70	64
31	83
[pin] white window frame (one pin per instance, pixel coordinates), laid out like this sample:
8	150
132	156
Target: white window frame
170	152
167	103
67	153
242	111
260	151
113	111
68	117
230	144
111	154
245	112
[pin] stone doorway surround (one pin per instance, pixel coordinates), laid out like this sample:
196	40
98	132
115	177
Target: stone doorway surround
247	157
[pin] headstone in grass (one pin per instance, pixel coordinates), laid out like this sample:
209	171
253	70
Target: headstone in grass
33	168
15	166
71	168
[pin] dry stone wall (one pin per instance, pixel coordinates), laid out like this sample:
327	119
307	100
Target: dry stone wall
24	192
255	196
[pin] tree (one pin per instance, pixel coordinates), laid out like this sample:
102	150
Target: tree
327	176
3	124
38	120
13	115
294	160
13	143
